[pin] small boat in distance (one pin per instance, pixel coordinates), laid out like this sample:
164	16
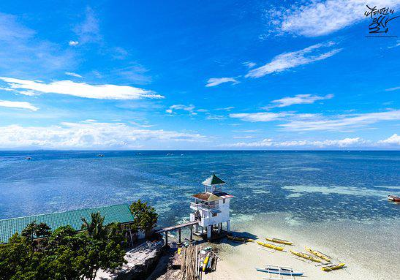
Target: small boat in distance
100	155
280	241
279	270
319	254
28	158
394	198
333	267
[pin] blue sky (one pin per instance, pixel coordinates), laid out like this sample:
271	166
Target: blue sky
197	75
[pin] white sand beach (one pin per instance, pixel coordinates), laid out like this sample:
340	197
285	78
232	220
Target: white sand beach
368	253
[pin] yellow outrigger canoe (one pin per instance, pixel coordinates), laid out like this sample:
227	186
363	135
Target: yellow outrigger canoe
333	267
281	241
206	262
271	246
319	254
239	239
305	256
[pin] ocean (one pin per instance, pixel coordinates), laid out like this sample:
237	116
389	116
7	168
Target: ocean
310	185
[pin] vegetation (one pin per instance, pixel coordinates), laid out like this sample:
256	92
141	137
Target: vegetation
63	254
145	216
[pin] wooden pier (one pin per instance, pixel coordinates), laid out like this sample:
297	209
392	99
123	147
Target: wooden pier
179	229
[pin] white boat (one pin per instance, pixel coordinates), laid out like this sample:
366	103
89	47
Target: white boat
279	270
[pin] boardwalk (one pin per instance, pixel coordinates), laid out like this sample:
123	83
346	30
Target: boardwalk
179	228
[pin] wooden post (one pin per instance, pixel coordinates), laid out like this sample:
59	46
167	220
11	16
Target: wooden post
191	233
179	235
166	238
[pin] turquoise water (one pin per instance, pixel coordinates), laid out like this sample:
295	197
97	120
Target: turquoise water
311	186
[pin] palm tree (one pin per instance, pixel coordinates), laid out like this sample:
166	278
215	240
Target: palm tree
95	227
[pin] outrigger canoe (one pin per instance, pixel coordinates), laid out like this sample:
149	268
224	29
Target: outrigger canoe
281	241
305	256
279	270
239	239
333	267
319	254
206	262
272	246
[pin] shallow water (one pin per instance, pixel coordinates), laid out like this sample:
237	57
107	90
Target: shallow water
312	186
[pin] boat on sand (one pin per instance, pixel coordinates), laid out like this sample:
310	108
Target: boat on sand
239	239
280	241
319	254
305	256
333	267
279	270
271	246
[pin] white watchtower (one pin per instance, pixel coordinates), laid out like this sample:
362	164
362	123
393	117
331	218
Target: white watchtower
211	207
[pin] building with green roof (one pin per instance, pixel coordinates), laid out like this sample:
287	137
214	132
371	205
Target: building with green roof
115	213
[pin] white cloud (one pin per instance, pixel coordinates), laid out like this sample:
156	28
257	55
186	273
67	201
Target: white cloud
215	117
394	139
67	87
88	134
290	60
318	18
187	108
20	105
299	99
393	89
212	82
89	30
395	45
249	64
73	74
73	43
314	122
243	137
347	142
341	122
225	109
21	51
258	117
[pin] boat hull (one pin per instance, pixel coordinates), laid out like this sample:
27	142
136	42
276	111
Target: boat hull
394	198
305	256
319	254
280	241
271	246
333	267
281	272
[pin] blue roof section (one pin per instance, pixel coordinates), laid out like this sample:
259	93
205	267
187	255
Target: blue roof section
115	213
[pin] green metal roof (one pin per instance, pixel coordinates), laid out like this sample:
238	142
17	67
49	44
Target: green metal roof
213	180
115	213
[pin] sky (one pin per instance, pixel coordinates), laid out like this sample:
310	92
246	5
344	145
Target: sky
198	75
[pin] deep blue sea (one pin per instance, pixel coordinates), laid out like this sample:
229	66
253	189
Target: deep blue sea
311	186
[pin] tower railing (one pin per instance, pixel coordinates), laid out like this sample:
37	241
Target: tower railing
194	205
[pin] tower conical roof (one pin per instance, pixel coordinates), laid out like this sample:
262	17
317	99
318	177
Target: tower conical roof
213	180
